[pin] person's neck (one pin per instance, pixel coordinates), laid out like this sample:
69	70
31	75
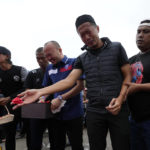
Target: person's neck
44	68
5	66
62	56
144	52
99	45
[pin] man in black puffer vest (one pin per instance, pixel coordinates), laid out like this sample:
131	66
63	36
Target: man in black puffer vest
106	69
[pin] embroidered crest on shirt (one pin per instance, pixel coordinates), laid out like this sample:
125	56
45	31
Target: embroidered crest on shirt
16	78
66	68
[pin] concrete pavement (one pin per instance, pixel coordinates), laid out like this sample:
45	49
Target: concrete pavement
21	143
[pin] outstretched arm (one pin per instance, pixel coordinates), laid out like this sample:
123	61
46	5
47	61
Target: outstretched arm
31	96
55	103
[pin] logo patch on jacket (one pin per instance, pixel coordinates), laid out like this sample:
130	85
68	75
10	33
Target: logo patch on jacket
16	78
53	71
66	68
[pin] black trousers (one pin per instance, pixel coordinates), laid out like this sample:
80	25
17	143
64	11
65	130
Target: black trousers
73	129
118	126
37	128
10	134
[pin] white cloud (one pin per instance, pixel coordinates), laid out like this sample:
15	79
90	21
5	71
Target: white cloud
28	24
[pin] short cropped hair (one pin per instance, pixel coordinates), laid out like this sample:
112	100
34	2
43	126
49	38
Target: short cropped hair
39	50
54	42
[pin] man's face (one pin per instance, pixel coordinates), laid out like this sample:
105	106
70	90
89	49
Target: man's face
52	53
3	58
143	38
89	34
41	59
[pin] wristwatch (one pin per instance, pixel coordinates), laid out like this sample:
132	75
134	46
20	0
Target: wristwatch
60	97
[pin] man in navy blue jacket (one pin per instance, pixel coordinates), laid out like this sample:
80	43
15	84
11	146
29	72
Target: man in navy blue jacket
69	120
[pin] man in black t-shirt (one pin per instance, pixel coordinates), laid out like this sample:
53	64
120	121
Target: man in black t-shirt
11	83
139	90
37	126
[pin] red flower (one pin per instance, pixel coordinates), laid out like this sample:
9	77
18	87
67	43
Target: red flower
17	100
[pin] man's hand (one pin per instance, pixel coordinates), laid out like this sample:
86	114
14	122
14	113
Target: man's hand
29	96
114	106
85	101
133	88
4	100
55	103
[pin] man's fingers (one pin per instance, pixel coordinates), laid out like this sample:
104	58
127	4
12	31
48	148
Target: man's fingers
52	106
2	103
113	109
18	105
112	102
21	94
114	112
15	107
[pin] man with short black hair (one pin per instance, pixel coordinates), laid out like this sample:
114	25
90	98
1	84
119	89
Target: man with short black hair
11	83
38	126
139	91
106	68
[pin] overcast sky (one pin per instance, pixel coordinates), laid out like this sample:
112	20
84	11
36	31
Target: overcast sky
26	25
